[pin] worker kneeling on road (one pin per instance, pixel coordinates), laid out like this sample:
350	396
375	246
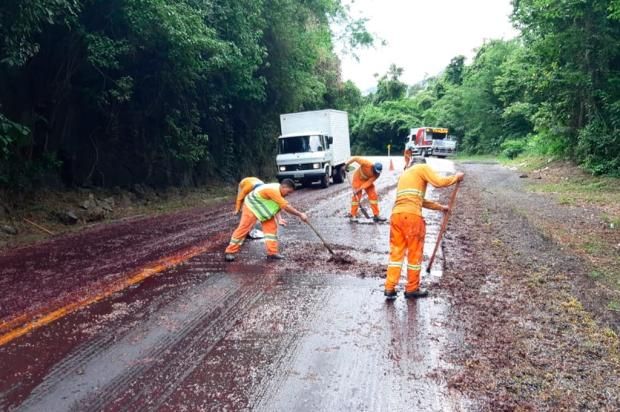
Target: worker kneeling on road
364	180
407	226
263	204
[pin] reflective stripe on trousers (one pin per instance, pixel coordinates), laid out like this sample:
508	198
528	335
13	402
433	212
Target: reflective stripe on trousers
247	222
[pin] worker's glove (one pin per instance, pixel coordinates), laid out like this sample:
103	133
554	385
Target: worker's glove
350	168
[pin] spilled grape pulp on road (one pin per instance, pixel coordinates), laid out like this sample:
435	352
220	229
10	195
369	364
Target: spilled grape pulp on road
145	314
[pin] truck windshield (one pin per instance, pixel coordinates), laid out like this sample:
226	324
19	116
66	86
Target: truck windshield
300	144
436	136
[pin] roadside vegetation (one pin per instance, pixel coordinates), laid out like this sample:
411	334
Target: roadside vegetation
553	92
159	92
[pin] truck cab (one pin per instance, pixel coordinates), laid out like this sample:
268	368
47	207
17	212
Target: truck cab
304	157
428	141
313	147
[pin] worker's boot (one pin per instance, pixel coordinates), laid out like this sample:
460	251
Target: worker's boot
277	256
418	293
229	257
351	217
390	294
378	218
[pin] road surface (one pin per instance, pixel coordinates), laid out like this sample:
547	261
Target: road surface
146	315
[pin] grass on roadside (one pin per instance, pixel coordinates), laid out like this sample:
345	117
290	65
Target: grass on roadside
575	190
571	186
469	158
527	163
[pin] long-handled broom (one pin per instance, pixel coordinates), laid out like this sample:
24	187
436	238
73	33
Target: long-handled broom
444	226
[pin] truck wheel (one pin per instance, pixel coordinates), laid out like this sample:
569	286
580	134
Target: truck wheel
325	181
340	175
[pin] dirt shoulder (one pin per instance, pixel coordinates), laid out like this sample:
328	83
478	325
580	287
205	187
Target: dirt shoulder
29	219
539	329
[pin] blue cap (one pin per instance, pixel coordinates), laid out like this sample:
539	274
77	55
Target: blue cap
378	167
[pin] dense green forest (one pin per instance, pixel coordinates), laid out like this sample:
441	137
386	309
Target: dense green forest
553	91
161	92
178	92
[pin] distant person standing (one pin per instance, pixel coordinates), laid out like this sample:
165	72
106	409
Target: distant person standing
263	204
408	155
407	226
364	180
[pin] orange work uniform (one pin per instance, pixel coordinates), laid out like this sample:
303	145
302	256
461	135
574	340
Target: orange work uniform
245	187
263	203
364	179
408	155
407	226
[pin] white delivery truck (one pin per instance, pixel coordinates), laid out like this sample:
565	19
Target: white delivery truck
313	147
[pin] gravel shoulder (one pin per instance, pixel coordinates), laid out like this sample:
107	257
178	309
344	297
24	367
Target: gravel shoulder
538	332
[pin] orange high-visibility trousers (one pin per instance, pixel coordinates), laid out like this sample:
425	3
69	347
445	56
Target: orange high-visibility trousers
247	222
373	199
407	231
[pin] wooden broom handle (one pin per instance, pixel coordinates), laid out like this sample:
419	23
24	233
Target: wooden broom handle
444	225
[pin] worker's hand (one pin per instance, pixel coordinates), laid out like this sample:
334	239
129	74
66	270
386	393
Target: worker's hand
358	192
460	176
282	222
445	208
235	213
303	217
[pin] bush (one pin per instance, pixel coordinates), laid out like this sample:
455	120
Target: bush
513	148
599	149
546	143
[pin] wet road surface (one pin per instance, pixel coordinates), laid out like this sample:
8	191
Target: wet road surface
195	333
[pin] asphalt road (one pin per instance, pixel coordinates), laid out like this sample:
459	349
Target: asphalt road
146	315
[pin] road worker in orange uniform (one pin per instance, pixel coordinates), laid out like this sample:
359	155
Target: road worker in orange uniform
263	204
245	188
407	226
364	180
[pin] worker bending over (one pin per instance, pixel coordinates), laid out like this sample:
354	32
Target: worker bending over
364	180
245	188
407	226
246	185
263	204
